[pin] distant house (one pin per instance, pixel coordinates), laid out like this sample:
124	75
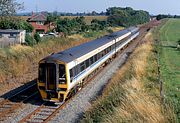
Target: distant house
11	37
38	21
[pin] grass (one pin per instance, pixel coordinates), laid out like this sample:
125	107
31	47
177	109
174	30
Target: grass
168	36
132	95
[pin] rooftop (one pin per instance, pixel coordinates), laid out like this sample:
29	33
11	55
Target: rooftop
38	17
10	31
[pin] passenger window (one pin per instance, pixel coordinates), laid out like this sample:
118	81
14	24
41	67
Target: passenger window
71	73
91	60
82	66
103	53
109	49
95	58
77	70
87	63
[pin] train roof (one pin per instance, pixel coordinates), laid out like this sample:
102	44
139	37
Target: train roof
73	53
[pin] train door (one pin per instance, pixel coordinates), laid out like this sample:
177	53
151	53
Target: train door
50	76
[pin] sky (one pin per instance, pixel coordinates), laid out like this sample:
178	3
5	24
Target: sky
74	6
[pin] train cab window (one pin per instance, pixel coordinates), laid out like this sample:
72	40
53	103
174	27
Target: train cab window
62	74
42	73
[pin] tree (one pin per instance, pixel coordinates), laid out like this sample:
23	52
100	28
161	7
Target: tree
126	16
71	26
98	25
15	23
9	7
51	18
29	40
25	26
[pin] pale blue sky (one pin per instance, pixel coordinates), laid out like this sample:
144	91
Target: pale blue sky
152	6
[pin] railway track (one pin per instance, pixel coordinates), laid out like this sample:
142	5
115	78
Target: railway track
15	101
48	110
43	113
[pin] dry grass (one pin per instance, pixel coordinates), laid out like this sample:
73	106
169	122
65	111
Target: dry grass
138	106
115	29
126	98
19	60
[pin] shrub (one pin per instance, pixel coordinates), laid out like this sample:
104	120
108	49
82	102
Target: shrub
37	37
29	40
109	30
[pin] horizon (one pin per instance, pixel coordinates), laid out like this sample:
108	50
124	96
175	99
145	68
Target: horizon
80	6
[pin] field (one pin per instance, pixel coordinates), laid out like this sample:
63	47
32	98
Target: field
169	34
88	19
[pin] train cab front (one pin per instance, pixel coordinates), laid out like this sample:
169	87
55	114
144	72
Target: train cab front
52	82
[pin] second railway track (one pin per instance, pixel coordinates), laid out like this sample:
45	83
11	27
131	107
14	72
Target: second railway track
14	102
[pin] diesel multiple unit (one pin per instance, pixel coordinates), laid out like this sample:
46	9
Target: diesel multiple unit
64	73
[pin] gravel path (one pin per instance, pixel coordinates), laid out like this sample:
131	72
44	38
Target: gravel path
74	110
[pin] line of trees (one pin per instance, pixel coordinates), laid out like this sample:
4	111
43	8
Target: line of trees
162	16
78	25
126	17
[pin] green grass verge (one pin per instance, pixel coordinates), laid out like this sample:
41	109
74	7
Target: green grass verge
168	35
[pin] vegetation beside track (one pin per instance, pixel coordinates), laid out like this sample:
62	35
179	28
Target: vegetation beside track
132	95
168	37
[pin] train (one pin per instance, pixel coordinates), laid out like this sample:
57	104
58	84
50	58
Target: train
62	74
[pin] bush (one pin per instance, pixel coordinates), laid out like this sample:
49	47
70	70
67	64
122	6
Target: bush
29	40
37	37
109	30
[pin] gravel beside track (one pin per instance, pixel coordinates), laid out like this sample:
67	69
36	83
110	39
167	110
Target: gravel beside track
20	113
